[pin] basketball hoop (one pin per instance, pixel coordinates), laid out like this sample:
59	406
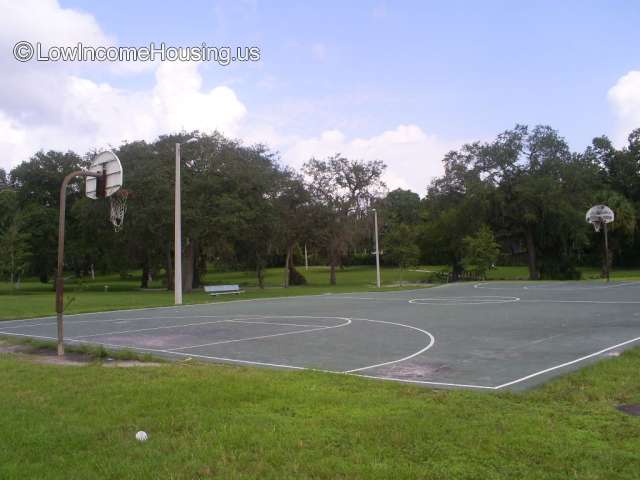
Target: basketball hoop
118	204
599	215
103	179
108	185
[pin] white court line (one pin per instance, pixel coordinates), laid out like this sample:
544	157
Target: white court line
115	320
470	300
370	298
170	352
545	286
264	364
250	362
175	309
232	320
425	382
415	354
546	370
120	332
543	300
282	324
221	342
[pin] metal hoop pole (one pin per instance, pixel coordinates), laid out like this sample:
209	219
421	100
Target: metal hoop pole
606	252
60	269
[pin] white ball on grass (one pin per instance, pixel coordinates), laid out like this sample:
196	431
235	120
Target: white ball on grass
142	436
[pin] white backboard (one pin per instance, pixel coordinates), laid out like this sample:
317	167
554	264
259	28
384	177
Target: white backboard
601	214
109	165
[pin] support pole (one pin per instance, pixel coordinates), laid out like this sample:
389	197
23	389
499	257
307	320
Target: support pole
375	223
306	259
60	268
606	251
177	241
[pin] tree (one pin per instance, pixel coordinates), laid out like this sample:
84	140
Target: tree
4	179
342	191
401	206
292	204
15	256
400	246
480	251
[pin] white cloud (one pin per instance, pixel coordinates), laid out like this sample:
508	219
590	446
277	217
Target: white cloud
413	157
46	21
55	106
624	98
84	114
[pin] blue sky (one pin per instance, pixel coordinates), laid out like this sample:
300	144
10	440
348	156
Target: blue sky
448	71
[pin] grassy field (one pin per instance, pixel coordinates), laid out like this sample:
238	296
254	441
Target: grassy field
208	421
111	292
220	421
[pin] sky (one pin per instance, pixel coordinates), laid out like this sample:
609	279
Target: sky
402	81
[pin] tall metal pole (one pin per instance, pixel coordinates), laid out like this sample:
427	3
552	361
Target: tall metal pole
60	268
306	259
606	252
375	223
177	241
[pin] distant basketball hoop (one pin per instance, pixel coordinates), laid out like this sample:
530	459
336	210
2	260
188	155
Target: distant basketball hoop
600	216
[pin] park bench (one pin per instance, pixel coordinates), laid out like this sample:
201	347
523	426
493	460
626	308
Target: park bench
222	289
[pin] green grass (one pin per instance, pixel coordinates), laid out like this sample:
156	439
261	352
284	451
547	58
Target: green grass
208	421
217	421
35	299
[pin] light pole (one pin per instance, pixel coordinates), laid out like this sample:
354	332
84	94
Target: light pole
375	224
177	231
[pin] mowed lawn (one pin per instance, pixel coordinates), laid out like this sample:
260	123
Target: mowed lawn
35	299
111	292
227	422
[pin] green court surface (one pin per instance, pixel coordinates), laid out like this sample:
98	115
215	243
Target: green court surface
486	336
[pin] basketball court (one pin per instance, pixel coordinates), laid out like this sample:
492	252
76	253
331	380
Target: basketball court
488	336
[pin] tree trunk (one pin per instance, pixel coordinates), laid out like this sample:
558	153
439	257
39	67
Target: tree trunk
287	271
531	253
197	283
332	271
169	269
144	279
187	267
260	275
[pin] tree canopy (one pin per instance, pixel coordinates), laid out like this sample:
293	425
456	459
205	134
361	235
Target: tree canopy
518	199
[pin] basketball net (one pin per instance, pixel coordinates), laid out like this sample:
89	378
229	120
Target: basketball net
118	203
596	225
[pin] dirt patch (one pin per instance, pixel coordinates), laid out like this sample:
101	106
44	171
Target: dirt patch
413	371
630	409
71	359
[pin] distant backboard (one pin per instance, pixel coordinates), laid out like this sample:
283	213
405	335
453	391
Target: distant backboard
600	213
108	164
